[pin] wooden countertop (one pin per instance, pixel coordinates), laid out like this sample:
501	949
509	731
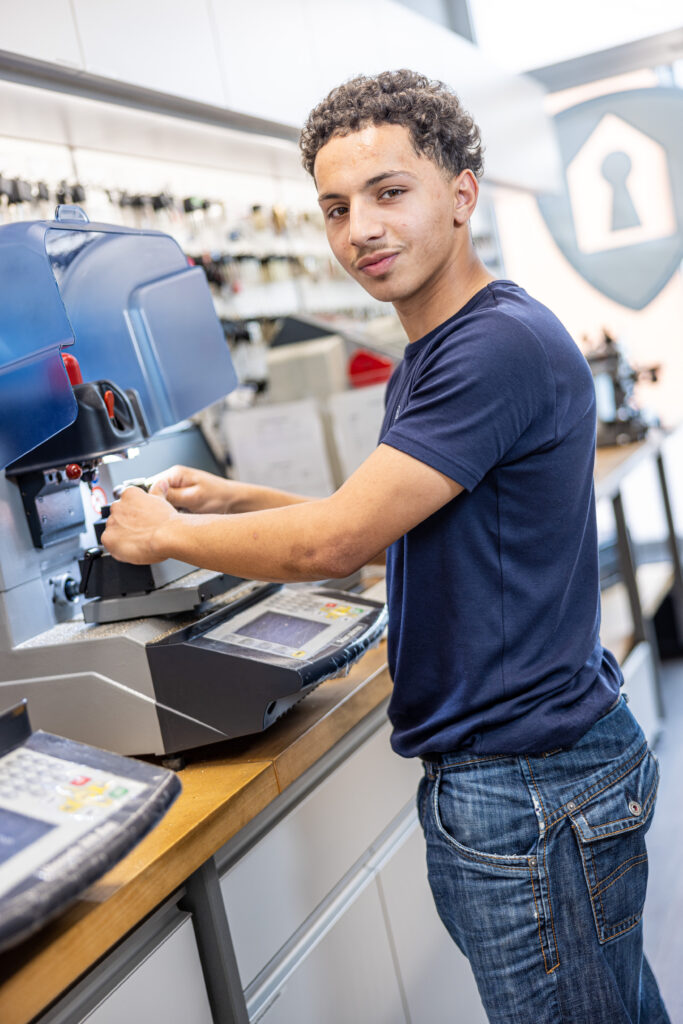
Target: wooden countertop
224	787
612	464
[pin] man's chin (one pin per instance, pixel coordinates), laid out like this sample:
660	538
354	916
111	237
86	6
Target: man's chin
384	289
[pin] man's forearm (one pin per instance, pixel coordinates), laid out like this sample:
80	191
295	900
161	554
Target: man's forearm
296	543
254	498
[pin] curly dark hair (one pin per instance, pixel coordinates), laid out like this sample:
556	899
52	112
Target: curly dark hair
439	126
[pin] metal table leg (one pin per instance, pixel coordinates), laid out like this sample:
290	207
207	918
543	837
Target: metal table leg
203	899
674	549
643	628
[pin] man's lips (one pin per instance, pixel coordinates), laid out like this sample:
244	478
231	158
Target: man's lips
377	264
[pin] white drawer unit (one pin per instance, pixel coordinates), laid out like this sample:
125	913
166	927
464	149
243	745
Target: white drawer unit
278	884
437	979
348	976
168	986
151	977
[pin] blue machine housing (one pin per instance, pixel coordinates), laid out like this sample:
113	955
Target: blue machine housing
129	306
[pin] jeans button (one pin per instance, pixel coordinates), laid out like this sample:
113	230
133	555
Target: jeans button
634	807
571	805
532	862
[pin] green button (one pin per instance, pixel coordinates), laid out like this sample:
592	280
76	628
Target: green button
118	792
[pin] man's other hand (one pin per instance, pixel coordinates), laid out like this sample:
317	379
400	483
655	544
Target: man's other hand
133	525
195	490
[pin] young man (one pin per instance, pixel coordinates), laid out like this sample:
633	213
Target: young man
538	785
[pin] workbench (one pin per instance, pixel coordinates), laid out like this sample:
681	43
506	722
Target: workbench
215	849
630	604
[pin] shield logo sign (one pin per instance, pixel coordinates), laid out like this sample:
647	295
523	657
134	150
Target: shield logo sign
619	218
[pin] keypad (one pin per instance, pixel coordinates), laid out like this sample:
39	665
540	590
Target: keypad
49	787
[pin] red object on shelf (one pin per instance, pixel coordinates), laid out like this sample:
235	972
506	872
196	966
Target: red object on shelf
108	397
72	368
367	368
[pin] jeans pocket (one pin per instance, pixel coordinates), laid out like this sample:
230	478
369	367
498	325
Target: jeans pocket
486	814
610	831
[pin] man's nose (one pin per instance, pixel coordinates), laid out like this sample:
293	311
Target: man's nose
364	224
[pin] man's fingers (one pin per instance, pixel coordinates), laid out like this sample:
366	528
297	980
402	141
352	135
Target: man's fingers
161	487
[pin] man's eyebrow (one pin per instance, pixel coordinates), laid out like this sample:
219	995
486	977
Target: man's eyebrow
368	184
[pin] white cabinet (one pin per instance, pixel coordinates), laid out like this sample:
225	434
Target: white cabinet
43	31
436	978
348	977
151	977
331	915
278	884
165	45
168	986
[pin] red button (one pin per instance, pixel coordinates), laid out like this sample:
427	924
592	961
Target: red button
74	471
80	780
108	397
72	368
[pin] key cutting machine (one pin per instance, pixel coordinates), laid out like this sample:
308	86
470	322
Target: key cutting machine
107	338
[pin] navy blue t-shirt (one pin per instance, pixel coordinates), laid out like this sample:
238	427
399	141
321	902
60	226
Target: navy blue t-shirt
494	600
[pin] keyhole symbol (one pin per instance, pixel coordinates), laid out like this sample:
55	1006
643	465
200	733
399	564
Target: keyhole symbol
615	169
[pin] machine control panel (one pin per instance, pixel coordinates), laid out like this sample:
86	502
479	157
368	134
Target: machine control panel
296	624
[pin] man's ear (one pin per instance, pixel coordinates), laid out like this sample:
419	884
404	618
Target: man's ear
465	195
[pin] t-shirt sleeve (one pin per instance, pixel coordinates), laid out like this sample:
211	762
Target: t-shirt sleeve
483	393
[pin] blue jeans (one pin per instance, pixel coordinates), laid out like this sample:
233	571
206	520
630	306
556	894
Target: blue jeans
539	869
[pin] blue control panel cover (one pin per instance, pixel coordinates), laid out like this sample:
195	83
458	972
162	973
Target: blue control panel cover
124	302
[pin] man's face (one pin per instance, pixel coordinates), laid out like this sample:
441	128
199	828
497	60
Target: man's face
389	212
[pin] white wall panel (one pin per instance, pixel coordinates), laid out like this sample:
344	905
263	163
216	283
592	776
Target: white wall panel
267	58
167	45
276	60
368	36
44	31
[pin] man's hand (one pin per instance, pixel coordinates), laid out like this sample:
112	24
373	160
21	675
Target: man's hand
133	524
196	490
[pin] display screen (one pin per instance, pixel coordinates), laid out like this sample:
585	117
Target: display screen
289	630
17	831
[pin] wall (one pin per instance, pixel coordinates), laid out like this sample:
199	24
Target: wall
275	60
532	256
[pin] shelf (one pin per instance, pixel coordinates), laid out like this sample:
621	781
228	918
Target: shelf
614	463
655	580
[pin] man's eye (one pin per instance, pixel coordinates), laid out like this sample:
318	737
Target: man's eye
336	212
391	193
